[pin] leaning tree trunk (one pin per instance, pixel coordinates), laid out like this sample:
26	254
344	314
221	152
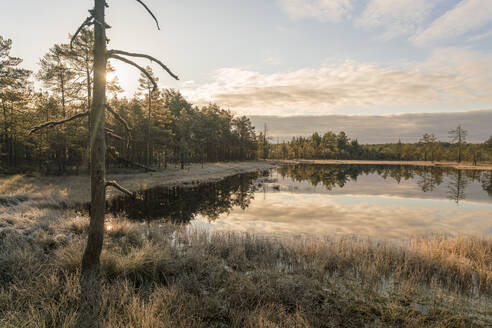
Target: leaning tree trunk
90	261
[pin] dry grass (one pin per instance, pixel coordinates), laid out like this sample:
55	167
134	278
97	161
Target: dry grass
159	275
74	190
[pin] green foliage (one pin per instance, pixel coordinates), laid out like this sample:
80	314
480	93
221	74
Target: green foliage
164	126
341	147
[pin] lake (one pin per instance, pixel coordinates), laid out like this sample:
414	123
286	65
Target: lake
366	200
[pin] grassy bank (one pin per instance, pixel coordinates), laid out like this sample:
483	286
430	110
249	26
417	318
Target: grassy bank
41	200
160	275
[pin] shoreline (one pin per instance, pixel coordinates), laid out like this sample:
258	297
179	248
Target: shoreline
455	165
227	279
75	189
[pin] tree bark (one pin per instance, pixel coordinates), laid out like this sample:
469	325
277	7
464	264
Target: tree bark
90	298
90	260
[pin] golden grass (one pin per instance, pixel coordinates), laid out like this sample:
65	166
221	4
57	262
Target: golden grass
160	275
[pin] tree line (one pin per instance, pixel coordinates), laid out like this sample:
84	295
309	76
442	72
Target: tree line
156	127
339	146
151	128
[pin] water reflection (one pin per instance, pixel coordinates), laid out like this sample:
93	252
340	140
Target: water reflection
428	179
389	201
487	182
182	204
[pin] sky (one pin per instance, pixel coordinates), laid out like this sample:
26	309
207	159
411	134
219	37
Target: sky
291	57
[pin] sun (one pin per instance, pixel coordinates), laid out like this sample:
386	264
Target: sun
111	76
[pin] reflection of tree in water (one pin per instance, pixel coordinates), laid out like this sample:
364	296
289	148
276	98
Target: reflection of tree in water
331	176
182	204
328	176
486	180
428	178
457	186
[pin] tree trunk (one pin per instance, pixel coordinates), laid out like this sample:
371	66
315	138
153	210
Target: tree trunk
6	132
90	298
148	157
90	261
89	98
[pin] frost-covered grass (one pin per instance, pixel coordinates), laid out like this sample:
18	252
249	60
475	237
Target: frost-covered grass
159	275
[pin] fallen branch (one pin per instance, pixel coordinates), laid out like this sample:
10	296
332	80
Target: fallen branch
55	123
143	70
115	185
130	54
150	12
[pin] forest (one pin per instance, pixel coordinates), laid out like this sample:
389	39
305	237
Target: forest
156	127
339	146
152	128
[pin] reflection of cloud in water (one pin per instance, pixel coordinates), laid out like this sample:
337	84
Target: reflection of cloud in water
286	212
376	185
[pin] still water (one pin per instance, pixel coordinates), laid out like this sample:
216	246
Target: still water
368	200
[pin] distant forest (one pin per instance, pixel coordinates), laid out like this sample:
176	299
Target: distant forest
154	128
429	148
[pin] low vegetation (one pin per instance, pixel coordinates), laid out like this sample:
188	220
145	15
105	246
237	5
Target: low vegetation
160	275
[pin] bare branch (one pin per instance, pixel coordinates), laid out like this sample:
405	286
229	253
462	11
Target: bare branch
115	185
150	12
111	133
130	54
87	22
55	123
129	62
122	121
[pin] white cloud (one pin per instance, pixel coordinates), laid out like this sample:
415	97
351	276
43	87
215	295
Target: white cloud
397	17
322	10
449	76
466	17
480	36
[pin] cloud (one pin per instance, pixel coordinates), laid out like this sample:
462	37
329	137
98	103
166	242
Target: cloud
322	10
467	16
449	77
397	17
329	214
481	36
381	128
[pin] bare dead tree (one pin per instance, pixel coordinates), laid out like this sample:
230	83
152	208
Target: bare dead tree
458	136
98	131
90	260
